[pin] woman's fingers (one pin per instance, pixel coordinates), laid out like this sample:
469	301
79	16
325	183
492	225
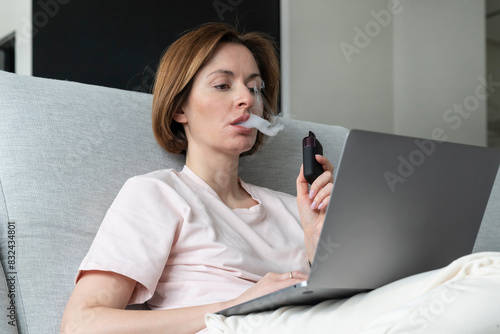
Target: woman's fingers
294	275
302	185
321	200
321	188
272	282
327	165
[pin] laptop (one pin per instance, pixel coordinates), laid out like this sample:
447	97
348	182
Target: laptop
399	206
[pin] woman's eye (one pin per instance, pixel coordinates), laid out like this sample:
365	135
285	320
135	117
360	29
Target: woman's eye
254	90
222	86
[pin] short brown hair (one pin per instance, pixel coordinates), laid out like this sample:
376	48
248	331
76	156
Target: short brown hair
182	61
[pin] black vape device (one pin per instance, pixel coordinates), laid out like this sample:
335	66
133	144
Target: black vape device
310	147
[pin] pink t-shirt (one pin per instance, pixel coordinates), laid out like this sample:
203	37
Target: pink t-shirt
170	232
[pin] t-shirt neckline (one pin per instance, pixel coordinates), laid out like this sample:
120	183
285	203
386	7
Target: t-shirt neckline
257	208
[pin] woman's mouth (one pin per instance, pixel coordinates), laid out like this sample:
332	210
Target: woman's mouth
240	119
240	128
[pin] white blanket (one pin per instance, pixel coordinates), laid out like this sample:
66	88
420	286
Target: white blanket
463	297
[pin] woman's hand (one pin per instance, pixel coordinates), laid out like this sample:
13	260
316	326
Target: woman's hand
271	282
312	203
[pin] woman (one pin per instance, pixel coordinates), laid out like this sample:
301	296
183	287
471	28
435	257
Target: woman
200	240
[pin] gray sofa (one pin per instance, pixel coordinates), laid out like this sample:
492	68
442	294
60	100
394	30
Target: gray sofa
65	151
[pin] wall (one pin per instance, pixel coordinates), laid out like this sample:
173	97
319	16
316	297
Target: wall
328	83
392	66
14	17
439	67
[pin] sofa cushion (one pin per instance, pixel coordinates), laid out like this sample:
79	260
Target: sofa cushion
65	151
488	238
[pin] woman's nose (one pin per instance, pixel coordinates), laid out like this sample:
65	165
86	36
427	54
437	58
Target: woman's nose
244	98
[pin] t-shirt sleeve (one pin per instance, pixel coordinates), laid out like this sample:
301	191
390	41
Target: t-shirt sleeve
137	234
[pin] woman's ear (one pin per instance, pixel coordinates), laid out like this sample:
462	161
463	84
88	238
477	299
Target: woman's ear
180	116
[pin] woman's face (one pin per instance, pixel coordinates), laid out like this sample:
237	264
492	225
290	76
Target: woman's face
223	94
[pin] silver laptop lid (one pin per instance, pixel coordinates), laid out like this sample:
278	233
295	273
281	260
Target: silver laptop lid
401	206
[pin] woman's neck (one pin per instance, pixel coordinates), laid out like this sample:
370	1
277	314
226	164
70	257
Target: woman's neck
220	172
